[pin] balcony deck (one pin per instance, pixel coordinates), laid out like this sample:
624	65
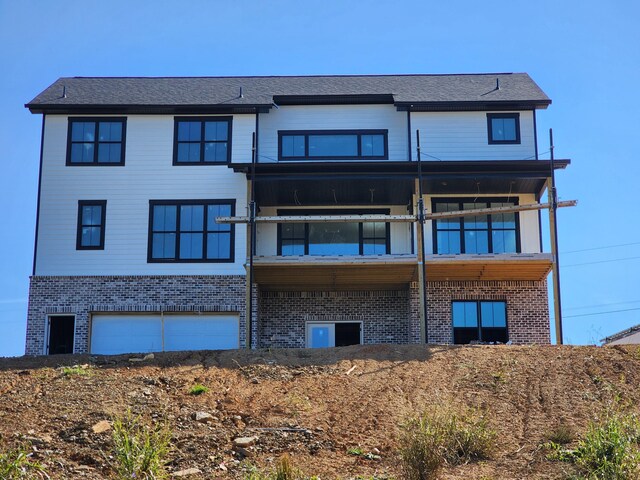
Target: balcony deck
389	272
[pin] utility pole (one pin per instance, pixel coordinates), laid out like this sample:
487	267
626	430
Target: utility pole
421	258
553	230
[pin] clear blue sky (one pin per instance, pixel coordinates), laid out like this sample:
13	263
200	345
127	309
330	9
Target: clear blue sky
584	54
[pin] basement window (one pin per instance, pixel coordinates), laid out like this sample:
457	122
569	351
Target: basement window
503	128
484	321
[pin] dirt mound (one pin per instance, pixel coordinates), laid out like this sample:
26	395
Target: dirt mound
315	405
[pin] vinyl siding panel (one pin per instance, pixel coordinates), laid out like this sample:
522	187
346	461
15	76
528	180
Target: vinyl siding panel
148	174
333	117
463	136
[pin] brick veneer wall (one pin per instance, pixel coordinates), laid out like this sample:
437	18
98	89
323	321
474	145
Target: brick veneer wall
82	295
527	308
283	315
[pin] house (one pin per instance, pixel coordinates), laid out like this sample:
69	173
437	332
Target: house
625	337
142	240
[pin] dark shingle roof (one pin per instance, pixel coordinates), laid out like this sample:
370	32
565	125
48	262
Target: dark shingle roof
435	91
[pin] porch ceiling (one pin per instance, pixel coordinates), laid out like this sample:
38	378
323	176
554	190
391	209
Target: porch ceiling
488	267
385	272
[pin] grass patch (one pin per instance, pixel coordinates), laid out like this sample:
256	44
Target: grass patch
610	450
140	450
198	389
75	370
561	434
16	464
284	471
443	437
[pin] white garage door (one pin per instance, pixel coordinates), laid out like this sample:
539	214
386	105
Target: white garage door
114	334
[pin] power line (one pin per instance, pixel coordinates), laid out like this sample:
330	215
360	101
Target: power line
602	305
602	248
601	313
600	261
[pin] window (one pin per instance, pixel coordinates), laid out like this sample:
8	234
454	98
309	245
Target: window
202	140
479	321
333	238
503	128
91	219
96	141
186	231
332	145
497	233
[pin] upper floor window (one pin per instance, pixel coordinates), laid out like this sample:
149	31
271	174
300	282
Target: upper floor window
332	145
187	231
503	128
496	233
333	238
484	321
91	220
96	141
202	140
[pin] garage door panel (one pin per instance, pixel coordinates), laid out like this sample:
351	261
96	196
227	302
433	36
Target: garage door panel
202	332
115	334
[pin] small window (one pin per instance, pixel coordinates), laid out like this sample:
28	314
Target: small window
333	145
91	219
503	128
96	141
202	141
187	231
484	321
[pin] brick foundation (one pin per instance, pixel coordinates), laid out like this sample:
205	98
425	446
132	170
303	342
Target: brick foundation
283	315
280	317
82	295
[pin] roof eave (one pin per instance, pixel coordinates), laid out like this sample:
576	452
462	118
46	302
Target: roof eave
473	106
145	109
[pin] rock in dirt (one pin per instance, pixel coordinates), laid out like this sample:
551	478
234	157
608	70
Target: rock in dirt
244	442
202	417
186	472
101	427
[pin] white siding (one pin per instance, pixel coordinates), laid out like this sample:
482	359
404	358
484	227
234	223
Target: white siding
529	226
267	233
148	174
463	136
333	117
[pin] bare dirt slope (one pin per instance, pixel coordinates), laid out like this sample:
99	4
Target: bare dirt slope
315	405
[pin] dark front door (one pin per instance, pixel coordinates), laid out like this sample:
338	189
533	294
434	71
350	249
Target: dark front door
347	334
61	331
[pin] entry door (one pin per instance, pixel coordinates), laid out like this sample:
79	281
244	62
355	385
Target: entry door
321	335
61	332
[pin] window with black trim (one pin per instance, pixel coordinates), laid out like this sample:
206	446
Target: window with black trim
482	321
496	233
202	140
503	128
332	145
333	238
96	141
187	231
91	223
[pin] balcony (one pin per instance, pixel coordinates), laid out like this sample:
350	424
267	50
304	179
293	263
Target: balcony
486	267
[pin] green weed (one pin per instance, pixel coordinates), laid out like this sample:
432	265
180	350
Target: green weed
198	390
139	450
17	464
443	437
